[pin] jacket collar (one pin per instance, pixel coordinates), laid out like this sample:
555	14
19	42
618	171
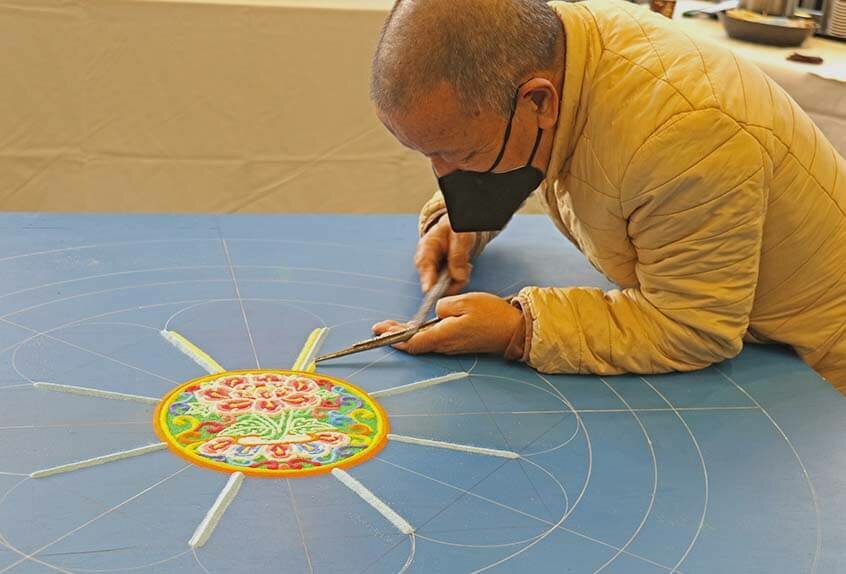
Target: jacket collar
582	52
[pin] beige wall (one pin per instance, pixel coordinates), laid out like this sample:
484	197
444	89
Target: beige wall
229	106
215	106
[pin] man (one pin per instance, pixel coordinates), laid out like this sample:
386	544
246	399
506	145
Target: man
684	174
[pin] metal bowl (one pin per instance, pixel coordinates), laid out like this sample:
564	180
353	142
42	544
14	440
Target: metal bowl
772	30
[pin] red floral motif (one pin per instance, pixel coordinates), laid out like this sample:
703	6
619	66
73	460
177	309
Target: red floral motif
293	454
278	451
293	464
299	400
324	384
268	406
333	439
216	394
212	427
331	403
216	446
265	393
232	382
268	464
297	463
240	405
303	385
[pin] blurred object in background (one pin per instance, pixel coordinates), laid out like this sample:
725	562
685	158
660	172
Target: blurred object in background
772	22
834	18
805	59
663	7
783	8
762	28
712	9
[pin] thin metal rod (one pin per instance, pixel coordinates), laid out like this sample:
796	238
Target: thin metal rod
418	321
376	342
437	291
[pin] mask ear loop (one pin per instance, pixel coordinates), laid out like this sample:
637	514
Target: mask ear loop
507	135
535	149
508	131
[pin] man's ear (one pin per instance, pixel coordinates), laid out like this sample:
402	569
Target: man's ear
545	101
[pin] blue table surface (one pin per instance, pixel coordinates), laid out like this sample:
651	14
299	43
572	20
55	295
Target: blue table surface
739	468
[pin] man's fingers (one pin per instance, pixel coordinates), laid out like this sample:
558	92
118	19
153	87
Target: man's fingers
457	288
389	326
449	307
428	277
458	256
440	244
430	252
435	339
446	308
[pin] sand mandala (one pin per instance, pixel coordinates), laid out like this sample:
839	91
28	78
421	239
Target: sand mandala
282	423
271	423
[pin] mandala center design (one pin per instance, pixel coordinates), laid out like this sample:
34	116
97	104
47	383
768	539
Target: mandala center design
271	422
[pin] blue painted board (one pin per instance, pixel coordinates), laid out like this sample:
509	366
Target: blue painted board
738	468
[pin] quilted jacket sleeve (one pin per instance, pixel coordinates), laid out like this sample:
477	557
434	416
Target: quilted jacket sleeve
694	198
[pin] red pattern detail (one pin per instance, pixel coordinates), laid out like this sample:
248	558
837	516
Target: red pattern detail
236	405
212	427
269	406
328	385
218	444
297	463
331	403
296	399
216	394
233	382
279	451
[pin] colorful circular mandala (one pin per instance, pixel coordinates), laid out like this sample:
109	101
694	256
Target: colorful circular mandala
271	423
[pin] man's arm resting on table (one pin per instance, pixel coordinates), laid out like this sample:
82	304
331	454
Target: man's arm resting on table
696	222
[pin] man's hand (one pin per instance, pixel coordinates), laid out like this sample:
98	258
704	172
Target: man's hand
441	245
471	323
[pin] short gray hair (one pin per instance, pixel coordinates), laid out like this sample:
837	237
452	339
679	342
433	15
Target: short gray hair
481	48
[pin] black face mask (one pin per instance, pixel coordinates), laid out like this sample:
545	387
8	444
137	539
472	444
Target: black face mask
486	201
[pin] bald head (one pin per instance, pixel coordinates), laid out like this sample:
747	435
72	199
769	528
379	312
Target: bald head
481	49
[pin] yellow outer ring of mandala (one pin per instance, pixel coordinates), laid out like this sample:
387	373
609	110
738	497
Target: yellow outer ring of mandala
379	440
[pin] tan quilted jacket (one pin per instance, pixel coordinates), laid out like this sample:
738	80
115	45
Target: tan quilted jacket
698	186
